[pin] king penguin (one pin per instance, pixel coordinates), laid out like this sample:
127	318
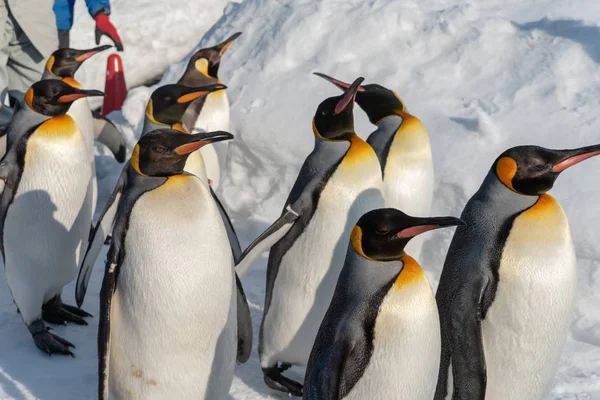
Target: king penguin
380	337
44	223
402	146
209	113
168	304
63	64
339	181
507	290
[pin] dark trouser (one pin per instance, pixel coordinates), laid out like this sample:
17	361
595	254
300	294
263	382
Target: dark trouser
63	38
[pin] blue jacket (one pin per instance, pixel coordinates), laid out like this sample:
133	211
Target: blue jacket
63	9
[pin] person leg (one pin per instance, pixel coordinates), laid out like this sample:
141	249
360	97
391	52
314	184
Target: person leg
25	63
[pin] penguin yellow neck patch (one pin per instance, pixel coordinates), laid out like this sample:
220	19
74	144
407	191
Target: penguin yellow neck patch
201	66
358	151
57	127
135	160
179	127
506	168
72	82
316	131
410	274
356	240
29	98
403	109
50	64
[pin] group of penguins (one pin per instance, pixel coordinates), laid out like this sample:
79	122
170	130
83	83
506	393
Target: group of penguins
343	296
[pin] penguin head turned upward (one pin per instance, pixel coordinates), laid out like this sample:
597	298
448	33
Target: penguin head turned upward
203	67
377	101
52	98
168	103
334	119
65	62
382	234
532	170
163	152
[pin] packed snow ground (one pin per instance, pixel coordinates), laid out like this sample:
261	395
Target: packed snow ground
482	76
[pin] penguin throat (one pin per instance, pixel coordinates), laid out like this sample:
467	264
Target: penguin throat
411	272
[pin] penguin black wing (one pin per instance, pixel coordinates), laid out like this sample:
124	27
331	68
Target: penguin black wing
11	169
134	187
244	324
99	235
107	133
234	242
301	205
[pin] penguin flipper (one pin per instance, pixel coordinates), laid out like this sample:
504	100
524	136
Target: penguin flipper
10	176
244	324
468	309
109	285
267	239
107	133
234	242
98	236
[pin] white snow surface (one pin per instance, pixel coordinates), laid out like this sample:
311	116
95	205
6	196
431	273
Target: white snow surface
482	76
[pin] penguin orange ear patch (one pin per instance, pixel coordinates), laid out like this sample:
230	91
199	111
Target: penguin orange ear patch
506	169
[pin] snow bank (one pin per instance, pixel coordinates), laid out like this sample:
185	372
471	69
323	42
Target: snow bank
482	76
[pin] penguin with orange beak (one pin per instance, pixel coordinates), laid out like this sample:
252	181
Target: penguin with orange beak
211	112
45	209
507	290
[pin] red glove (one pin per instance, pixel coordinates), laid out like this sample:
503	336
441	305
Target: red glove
105	27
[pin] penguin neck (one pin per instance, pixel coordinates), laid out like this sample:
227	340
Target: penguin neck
49	75
29	114
495	193
150	126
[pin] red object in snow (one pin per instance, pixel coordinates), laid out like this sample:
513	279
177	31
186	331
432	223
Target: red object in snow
115	89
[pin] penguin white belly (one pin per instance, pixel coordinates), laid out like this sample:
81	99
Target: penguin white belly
406	347
195	166
214	116
47	225
82	115
173	316
309	270
408	176
527	324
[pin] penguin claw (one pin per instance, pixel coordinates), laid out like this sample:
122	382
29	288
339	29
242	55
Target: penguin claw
56	312
276	381
50	343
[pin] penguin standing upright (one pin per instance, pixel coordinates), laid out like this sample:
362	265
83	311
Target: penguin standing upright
63	64
339	181
44	223
507	290
380	337
209	113
402	146
168	304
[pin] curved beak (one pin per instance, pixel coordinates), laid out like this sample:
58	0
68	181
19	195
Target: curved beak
222	47
198	140
575	156
199	92
340	84
85	54
75	94
422	225
348	96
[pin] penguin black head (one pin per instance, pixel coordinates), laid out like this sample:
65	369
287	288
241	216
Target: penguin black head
168	103
532	170
382	234
53	97
206	61
65	62
334	119
163	152
377	101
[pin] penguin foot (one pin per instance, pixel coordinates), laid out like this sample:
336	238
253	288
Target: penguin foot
48	342
57	312
276	381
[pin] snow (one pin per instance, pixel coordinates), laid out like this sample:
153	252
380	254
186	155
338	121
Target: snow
482	76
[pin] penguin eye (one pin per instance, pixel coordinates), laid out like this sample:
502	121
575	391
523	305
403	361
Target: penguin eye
380	232
168	98
539	167
159	149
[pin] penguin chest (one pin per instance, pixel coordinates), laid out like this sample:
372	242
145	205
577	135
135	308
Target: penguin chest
81	114
527	324
47	222
408	174
404	364
308	272
173	317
